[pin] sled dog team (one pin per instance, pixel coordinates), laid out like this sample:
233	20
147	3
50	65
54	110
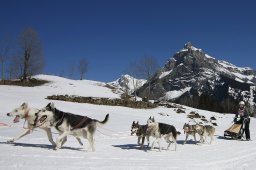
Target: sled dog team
161	130
66	124
83	126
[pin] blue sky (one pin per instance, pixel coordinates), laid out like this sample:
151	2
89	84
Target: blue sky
111	34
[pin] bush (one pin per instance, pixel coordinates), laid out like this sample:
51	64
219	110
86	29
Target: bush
30	83
103	101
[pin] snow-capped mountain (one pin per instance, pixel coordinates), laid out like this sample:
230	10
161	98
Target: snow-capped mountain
194	78
127	83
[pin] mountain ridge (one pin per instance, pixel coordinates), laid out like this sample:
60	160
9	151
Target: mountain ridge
192	77
127	84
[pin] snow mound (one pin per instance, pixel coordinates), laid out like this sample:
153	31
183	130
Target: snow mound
62	86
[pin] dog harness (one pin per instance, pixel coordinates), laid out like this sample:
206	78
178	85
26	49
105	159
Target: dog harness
80	123
26	114
59	122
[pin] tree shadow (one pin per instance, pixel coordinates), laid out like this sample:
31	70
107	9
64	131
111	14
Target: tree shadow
44	146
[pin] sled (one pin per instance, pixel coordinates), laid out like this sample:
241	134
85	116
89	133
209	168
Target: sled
234	132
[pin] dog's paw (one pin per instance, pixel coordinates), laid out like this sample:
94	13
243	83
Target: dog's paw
56	148
10	141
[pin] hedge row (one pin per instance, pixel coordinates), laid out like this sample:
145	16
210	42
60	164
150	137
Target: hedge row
103	101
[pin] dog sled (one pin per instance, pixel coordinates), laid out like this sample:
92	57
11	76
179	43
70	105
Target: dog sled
235	131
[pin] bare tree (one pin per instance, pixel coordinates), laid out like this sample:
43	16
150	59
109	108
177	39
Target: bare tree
132	70
4	51
71	70
62	73
15	68
82	67
146	68
31	53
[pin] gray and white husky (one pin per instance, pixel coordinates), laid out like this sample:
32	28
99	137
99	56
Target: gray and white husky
159	130
204	131
189	130
68	124
29	114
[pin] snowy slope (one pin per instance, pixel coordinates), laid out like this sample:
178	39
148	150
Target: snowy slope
59	85
115	148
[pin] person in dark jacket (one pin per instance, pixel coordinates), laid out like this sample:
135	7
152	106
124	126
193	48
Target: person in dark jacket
244	116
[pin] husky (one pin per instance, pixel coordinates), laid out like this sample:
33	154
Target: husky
204	131
29	114
189	130
69	124
140	131
159	130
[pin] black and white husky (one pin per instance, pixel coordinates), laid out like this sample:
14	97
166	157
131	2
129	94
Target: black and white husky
159	130
68	124
140	131
29	114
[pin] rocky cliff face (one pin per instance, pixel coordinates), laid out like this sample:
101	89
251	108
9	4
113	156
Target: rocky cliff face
194	78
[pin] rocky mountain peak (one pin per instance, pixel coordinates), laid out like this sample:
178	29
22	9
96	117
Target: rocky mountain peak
192	73
191	57
188	45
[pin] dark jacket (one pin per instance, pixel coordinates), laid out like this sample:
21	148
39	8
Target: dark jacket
246	115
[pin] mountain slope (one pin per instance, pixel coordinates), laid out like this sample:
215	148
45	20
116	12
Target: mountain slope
196	79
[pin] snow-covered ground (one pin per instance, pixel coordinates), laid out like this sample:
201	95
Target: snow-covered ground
115	147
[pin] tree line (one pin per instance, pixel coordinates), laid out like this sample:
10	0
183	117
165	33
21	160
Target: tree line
24	57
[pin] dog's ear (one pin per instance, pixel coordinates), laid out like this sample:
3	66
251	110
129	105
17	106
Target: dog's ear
137	123
48	106
153	119
24	105
52	106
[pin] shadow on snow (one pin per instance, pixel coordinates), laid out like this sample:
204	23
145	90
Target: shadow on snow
130	146
44	146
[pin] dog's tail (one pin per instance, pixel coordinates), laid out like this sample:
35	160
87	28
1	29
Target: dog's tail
105	120
175	133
